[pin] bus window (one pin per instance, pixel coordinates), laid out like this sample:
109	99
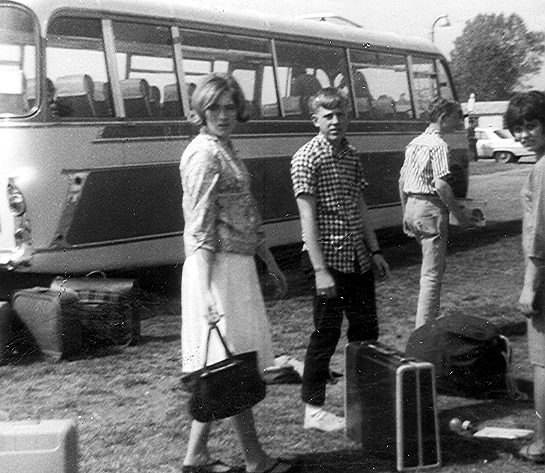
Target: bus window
18	40
145	62
304	69
381	85
424	83
445	87
76	69
249	60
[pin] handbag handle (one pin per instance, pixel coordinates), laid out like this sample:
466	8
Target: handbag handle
227	351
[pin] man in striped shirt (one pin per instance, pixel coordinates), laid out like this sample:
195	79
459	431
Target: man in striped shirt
427	198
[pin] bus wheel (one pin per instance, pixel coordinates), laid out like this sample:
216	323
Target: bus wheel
504	157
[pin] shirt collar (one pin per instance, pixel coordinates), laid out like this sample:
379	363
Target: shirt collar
343	149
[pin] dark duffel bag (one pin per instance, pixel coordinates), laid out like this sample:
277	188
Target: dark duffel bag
470	356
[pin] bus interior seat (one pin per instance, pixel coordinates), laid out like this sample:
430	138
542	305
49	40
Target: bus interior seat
12	91
135	94
269	109
384	107
102	98
292	105
76	94
31	93
172	103
155	100
304	86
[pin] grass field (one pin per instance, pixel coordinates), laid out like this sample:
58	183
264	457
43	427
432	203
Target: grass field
131	411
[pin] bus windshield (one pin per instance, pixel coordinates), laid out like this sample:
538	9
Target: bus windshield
18	61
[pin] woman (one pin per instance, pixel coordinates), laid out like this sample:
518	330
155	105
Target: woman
219	283
525	118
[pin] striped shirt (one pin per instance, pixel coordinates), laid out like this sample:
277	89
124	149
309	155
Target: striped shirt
426	159
336	181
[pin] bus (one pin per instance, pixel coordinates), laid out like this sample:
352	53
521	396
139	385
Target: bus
94	99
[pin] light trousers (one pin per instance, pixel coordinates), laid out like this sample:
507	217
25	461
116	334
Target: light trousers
426	217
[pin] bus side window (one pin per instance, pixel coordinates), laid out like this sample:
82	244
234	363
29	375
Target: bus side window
381	85
303	70
248	59
425	84
145	62
77	63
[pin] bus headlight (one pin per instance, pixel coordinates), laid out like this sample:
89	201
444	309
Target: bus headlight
16	199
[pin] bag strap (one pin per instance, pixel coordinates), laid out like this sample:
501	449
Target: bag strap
227	351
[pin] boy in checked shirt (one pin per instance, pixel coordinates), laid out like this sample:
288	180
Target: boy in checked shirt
341	250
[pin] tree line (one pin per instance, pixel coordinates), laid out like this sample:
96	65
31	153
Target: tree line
494	56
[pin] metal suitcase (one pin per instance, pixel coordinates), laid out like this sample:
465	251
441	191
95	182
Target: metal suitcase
51	320
390	406
39	446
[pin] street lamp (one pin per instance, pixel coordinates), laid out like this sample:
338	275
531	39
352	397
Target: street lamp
444	23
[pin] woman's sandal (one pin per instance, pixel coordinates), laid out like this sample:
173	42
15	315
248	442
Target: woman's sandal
280	465
525	454
216	466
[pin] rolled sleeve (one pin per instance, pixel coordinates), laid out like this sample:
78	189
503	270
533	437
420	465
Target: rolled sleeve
200	171
303	174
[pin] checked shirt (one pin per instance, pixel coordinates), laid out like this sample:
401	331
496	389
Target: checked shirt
336	182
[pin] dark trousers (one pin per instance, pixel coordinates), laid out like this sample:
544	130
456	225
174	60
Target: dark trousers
355	299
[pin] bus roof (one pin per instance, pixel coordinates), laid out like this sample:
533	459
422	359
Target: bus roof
192	14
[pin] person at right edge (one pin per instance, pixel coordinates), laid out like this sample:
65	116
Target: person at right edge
342	253
525	118
426	200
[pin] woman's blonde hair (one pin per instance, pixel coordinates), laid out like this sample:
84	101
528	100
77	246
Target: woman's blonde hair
209	90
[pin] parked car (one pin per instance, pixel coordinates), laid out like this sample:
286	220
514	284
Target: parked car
500	145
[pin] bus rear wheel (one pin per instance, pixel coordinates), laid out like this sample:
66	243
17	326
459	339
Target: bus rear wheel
504	157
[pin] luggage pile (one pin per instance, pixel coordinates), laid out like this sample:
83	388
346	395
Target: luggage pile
77	315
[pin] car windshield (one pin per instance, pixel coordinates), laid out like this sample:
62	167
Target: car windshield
18	49
503	134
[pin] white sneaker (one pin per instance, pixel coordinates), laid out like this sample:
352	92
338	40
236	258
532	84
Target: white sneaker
323	420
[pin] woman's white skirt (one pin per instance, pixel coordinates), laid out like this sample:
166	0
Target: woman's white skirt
245	325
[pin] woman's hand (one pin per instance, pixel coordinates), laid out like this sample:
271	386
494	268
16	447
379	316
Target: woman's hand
280	282
526	302
211	313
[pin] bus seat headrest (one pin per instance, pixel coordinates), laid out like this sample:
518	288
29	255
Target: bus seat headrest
75	85
134	88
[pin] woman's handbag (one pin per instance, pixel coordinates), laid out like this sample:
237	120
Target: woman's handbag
226	388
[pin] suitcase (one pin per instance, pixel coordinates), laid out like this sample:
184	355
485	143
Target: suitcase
106	308
51	320
390	406
39	446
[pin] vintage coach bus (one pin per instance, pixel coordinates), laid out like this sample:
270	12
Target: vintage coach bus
93	103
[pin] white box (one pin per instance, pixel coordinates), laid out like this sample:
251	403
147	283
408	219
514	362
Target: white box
45	446
474	209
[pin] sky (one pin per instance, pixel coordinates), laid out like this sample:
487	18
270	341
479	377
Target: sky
408	17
